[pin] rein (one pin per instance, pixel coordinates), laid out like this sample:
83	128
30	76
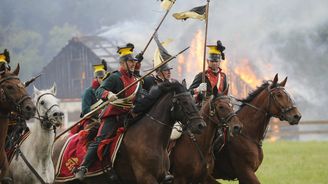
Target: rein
20	153
6	98
45	121
282	113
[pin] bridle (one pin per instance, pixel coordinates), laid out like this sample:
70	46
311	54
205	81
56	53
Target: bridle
213	112
187	114
282	110
6	98
46	122
193	114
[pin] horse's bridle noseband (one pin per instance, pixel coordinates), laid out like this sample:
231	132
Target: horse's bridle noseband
45	120
282	110
189	118
5	97
213	112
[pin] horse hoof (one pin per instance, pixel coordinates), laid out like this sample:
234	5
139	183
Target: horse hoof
7	180
168	179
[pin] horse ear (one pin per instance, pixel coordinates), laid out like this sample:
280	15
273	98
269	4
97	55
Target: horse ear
16	71
54	89
184	83
275	80
283	83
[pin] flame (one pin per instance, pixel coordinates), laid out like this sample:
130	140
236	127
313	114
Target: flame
241	79
245	72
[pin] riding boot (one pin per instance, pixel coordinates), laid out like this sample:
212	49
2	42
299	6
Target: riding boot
87	162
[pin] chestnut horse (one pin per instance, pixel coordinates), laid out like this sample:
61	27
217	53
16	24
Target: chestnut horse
13	98
240	158
143	156
192	159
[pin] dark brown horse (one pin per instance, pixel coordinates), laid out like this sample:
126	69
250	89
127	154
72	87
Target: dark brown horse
13	98
143	157
192	160
240	158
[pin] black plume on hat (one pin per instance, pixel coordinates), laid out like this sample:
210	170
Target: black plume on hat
103	62
7	55
130	45
221	48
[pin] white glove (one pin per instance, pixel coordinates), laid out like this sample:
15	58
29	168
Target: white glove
111	97
202	87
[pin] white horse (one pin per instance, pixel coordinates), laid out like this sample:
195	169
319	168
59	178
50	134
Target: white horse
37	148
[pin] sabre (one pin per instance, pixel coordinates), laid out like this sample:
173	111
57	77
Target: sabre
101	106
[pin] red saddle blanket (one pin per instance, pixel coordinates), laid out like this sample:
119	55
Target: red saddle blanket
75	149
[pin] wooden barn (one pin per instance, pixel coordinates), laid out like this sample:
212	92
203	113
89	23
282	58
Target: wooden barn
71	69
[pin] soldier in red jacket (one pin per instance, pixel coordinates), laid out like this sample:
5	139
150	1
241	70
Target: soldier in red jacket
112	117
215	79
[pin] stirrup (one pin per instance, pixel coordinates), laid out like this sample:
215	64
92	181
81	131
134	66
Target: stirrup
80	172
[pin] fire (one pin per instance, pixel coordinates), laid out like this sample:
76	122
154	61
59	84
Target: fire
241	79
245	72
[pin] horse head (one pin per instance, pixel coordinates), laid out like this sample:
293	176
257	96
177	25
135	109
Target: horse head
13	95
184	109
48	110
221	112
281	104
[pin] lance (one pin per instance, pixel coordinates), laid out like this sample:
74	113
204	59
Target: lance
159	25
205	41
104	104
27	83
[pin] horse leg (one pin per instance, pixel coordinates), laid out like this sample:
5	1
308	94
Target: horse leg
210	180
4	174
248	177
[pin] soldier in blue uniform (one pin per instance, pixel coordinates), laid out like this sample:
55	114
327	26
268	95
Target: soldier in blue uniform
89	99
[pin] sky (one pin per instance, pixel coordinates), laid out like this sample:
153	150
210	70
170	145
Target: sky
276	36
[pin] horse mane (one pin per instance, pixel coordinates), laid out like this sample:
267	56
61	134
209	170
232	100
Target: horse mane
145	103
255	92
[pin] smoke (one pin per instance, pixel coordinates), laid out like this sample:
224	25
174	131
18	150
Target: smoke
276	36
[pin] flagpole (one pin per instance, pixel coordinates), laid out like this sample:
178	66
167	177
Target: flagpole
159	25
104	104
205	40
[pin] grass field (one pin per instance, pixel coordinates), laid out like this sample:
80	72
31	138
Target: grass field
289	162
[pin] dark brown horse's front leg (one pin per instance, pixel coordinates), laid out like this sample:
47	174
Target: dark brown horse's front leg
247	176
4	174
210	180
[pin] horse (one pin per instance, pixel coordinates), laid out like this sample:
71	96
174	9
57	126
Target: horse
13	98
33	163
243	155
142	156
192	158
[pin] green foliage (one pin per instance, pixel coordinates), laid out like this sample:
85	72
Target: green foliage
287	162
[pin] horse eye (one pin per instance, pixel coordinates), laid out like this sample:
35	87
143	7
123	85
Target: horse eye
221	107
42	102
279	95
10	87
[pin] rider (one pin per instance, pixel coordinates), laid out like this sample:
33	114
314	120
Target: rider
112	117
89	99
4	61
215	79
164	72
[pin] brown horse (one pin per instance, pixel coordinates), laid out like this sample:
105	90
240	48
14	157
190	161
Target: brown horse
192	160
240	158
13	98
143	157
